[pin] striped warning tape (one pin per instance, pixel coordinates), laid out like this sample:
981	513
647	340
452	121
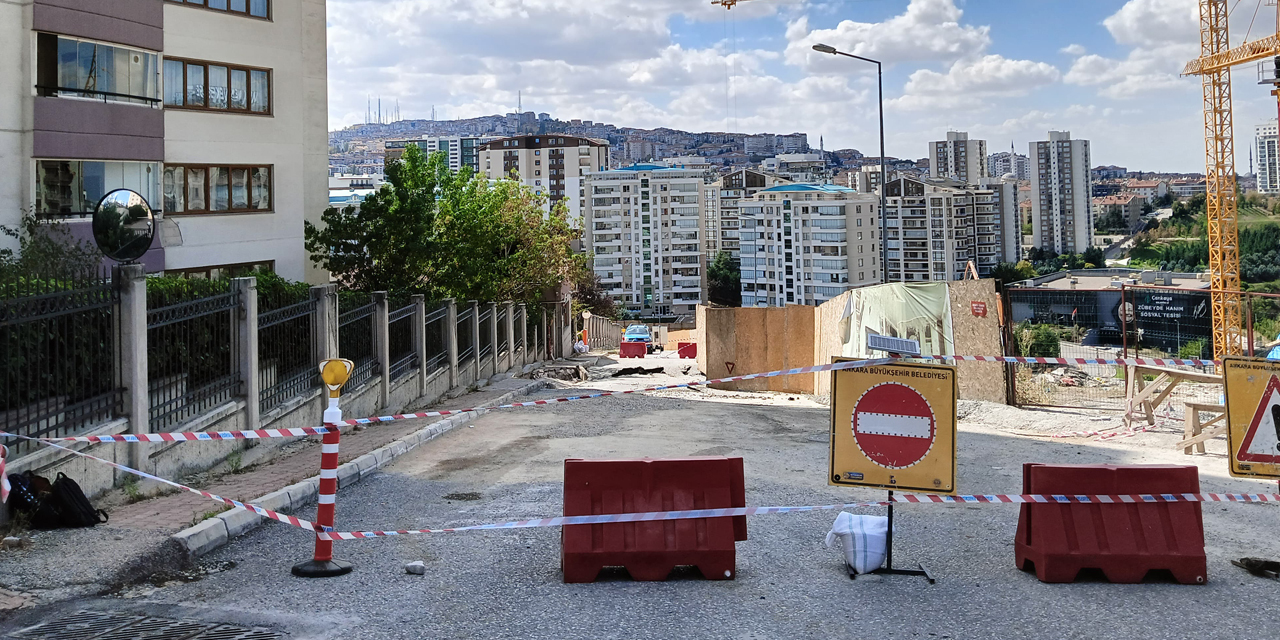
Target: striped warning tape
755	511
838	366
236	504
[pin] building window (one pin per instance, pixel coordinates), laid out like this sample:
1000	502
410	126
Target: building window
74	187
217	189
251	8
195	84
71	68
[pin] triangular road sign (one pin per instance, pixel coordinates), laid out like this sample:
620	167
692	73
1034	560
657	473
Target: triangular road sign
730	366
1261	443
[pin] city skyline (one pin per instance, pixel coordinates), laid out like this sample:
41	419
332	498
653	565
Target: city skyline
1107	71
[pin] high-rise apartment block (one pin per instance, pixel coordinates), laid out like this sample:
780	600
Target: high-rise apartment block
460	151
769	144
724	198
935	227
806	244
1062	215
645	227
1007	162
553	166
1264	144
958	158
215	112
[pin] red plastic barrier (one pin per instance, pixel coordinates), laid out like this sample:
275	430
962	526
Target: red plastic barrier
650	550
632	350
688	350
1123	540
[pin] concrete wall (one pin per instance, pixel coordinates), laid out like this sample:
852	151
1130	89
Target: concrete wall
977	336
17	91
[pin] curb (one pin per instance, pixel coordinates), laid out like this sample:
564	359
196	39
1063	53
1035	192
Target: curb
216	532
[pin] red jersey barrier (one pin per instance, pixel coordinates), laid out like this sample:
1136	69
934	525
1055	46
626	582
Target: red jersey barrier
650	550
1123	540
688	350
632	350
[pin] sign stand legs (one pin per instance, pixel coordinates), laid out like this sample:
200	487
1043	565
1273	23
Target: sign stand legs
888	569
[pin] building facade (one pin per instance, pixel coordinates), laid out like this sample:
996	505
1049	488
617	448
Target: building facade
1062	214
1149	189
1006	162
645	227
935	228
461	151
724	198
1264	149
806	244
1127	205
553	166
959	158
216	114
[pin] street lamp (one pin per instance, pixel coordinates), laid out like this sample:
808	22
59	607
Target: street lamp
884	175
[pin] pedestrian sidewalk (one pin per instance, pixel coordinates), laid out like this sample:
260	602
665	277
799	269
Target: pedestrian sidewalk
177	511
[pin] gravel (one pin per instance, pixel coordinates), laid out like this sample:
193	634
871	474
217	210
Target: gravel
508	583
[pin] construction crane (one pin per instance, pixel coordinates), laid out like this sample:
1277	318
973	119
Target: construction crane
1214	68
727	4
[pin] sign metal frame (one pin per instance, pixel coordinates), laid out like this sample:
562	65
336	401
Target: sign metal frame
1248	380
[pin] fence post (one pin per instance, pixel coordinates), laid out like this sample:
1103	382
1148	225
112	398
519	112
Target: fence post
509	329
324	327
524	334
248	340
475	339
382	346
132	281
420	340
493	336
451	340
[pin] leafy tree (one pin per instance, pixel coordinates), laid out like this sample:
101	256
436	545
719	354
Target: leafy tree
1094	256
46	249
1147	209
588	293
724	278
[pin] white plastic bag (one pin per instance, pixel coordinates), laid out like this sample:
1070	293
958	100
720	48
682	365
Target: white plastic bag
862	538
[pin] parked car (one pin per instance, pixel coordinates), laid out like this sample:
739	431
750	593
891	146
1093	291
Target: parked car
640	333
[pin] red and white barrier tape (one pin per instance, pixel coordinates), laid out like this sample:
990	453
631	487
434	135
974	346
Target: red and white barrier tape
266	513
4	478
193	436
754	511
1142	362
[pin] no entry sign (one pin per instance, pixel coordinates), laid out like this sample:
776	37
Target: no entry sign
893	427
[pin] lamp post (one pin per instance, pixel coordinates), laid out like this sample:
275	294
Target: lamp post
884	175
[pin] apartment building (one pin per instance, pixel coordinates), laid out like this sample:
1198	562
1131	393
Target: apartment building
1007	162
769	144
646	229
553	166
1128	205
214	112
1062	214
1265	136
959	158
461	151
1149	189
797	167
935	227
806	244
722	203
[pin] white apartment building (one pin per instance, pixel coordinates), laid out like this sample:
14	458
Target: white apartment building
797	167
553	166
807	244
214	112
958	158
461	151
1264	143
1007	162
769	144
934	228
1149	189
722	203
645	227
1062	213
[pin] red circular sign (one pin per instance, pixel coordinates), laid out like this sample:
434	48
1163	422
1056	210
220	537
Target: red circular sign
894	425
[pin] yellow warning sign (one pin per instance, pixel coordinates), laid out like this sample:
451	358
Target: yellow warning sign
1253	416
894	427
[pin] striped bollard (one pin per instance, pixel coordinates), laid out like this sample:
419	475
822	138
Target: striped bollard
335	374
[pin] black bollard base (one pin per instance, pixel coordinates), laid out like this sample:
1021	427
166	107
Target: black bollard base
318	569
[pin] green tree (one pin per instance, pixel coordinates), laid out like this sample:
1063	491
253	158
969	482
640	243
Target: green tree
46	249
588	292
1095	256
1147	209
724	278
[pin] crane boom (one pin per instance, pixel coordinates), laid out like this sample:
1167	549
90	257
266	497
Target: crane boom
1260	49
1214	68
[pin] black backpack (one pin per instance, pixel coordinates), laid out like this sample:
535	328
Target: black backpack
32	496
71	503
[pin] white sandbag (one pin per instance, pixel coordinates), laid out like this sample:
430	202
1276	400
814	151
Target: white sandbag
862	538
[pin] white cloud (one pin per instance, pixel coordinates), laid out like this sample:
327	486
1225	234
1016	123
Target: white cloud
1073	50
929	30
968	81
1152	23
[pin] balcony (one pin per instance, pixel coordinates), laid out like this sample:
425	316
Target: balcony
89	130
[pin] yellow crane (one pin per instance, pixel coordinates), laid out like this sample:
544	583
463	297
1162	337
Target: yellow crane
1214	68
727	4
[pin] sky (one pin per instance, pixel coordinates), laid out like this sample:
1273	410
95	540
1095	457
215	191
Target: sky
1006	71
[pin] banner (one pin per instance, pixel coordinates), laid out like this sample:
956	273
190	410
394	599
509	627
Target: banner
920	312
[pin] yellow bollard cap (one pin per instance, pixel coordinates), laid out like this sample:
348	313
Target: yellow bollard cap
334	373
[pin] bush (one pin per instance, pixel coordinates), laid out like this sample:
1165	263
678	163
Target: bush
1193	350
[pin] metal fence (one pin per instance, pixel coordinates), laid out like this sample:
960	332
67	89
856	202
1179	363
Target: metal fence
355	343
286	354
515	330
486	335
191	357
437	345
503	341
404	358
466	337
60	375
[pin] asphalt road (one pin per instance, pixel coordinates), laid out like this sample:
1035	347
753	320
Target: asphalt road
508	583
